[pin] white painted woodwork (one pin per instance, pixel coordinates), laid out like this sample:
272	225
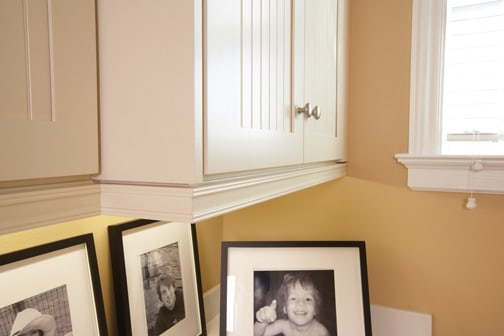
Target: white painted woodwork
248	87
427	40
320	75
196	102
199	202
250	106
454	173
196	121
183	126
150	57
427	169
48	95
25	208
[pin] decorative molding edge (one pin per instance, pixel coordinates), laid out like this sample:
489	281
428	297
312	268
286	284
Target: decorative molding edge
26	208
193	203
477	174
23	208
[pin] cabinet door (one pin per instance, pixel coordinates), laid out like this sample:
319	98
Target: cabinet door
48	89
320	75
248	87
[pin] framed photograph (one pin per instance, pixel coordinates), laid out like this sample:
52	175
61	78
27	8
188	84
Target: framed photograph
157	279
312	288
53	288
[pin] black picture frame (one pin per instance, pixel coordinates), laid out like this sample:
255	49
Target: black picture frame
56	282
334	273
146	253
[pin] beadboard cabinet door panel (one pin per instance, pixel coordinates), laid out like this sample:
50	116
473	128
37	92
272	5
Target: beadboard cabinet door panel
320	57
48	89
249	122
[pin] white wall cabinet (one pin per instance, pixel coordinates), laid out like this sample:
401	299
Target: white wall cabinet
48	94
265	59
199	101
48	112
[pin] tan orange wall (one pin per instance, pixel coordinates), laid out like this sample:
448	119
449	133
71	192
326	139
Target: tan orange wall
209	234
425	251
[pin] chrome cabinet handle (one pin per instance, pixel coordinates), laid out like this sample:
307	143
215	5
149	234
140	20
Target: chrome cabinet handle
306	110
309	112
316	113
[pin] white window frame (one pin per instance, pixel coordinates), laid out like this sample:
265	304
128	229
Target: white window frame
427	168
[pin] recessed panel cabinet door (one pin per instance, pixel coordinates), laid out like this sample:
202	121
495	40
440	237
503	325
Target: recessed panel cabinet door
320	76
48	89
248	87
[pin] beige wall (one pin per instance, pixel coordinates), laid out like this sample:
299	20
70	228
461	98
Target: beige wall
209	234
425	251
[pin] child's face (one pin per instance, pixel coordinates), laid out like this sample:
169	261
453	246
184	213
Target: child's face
168	296
300	305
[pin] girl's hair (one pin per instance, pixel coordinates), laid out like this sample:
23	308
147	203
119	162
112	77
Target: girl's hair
166	281
304	280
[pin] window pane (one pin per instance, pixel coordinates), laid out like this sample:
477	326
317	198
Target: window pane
473	93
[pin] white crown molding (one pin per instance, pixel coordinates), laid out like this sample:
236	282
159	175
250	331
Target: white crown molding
193	203
26	208
29	207
477	174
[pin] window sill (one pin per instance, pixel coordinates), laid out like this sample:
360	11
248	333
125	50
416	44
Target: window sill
477	174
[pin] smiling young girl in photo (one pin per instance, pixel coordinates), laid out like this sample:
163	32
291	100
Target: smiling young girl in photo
300	301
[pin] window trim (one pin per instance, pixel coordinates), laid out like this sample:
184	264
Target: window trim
428	170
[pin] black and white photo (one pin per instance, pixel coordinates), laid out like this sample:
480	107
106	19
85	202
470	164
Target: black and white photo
47	313
157	283
163	292
287	288
52	290
294	302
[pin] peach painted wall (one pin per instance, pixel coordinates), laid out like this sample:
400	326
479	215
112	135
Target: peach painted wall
425	251
209	234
